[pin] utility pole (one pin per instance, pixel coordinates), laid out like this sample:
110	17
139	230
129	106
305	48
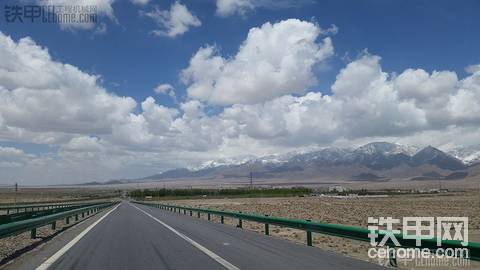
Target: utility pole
16	190
251	180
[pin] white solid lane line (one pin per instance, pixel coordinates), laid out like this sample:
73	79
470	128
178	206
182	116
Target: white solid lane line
46	264
205	250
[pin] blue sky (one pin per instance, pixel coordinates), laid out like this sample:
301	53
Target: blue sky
341	73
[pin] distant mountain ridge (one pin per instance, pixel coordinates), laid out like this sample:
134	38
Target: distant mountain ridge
377	160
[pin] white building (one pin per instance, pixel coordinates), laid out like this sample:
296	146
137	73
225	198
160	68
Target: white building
336	189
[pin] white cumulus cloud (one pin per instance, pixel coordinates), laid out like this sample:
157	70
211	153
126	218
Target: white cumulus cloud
165	89
274	60
39	95
174	22
140	2
227	8
231	7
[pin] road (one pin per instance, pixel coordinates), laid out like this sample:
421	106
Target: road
140	237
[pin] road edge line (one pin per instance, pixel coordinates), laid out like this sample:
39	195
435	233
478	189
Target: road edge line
203	249
46	264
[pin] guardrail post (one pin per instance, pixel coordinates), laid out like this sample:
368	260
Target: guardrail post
67	220
267	228
221	219
198	214
54	225
239	222
208	216
392	257
76	217
83	214
309	236
184	211
191	213
8	211
33	233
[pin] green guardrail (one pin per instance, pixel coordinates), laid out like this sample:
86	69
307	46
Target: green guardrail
77	200
344	231
40	207
12	216
31	225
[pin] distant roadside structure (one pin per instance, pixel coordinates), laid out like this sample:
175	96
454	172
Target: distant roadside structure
337	188
438	190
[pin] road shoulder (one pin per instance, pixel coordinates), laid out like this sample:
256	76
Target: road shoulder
36	256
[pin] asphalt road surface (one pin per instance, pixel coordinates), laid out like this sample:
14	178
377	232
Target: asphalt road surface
140	237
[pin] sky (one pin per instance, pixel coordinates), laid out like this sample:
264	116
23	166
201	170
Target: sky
154	85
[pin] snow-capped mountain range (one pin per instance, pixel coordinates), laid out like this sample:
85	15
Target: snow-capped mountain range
377	160
468	155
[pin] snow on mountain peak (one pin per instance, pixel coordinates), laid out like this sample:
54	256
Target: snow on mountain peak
386	148
468	155
223	162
